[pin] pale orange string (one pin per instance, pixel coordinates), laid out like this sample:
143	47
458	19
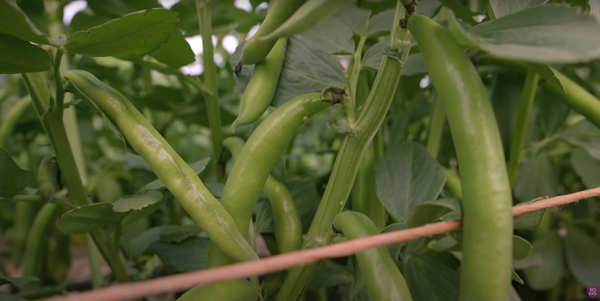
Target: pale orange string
284	261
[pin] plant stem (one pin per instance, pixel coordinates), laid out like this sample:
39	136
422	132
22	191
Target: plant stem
349	156
210	79
518	138
356	67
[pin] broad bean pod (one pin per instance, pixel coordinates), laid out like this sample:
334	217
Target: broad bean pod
175	173
254	162
288	228
382	278
307	16
255	49
235	290
487	244
261	88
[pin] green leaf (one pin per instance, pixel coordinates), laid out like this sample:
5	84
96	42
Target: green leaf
415	64
179	233
176	52
354	18
502	8
460	11
264	222
19	56
306	198
329	273
546	263
429	279
140	243
551	113
528	221
547	74
587	167
197	167
543	34
537	177
394	249
14	21
7	297
381	23
431	211
12	178
134	34
190	255
583	256
18	280
117	8
521	248
585	135
406	176
442	243
137	202
87	218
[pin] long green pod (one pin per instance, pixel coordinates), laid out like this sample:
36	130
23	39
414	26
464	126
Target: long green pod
24	214
364	195
36	241
307	16
382	278
261	88
288	228
44	177
487	243
177	176
253	165
255	49
235	290
10	119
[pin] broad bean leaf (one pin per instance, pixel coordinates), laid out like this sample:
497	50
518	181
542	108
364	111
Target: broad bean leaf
138	245
20	56
265	222
135	34
545	261
394	249
505	98
381	23
8	297
502	8
356	19
18	280
542	34
189	255
13	21
551	113
86	218
521	248
179	233
12	178
117	8
583	256
197	167
137	201
175	52
587	167
442	243
537	177
306	198
329	273
415	64
429	279
585	135
528	221
460	11
406	176
431	211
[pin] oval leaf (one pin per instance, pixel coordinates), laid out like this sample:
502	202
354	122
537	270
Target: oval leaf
13	21
86	218
12	178
506	7
544	34
20	56
407	176
134	34
587	167
547	262
176	52
430	279
583	257
137	202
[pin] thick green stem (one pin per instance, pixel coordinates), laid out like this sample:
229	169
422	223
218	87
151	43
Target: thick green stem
347	162
54	127
356	67
518	138
364	196
210	79
436	128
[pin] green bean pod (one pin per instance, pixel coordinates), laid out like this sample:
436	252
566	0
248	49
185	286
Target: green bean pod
257	157
235	290
382	278
487	244
307	16
261	88
256	49
175	173
288	228
45	175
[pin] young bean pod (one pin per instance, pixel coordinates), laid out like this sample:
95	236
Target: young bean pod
261	88
255	49
382	278
288	228
307	16
257	157
176	174
487	244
